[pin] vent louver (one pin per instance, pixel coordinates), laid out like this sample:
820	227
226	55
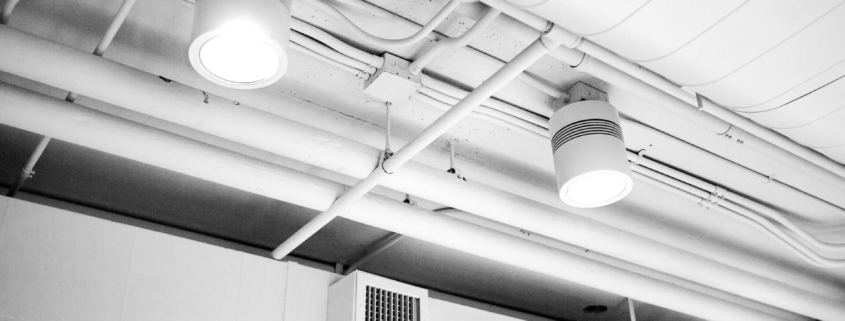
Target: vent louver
361	296
585	128
384	305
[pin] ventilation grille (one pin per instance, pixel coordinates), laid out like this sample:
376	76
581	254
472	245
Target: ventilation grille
384	305
585	128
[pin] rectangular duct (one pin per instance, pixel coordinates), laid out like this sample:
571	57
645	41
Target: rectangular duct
365	297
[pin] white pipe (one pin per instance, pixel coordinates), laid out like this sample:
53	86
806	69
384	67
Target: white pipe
357	72
563	55
777	140
323	50
334	43
115	25
382	42
79	125
6	11
83	126
720	120
62	67
592	255
673	177
783	220
27	170
450	43
487	114
754	218
463	108
430	83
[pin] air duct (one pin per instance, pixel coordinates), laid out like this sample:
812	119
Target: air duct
590	159
240	44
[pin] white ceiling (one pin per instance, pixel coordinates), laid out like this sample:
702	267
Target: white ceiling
683	42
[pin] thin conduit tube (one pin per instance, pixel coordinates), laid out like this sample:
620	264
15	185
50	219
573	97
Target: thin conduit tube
783	220
450	43
516	121
26	172
541	86
757	207
661	91
104	132
104	43
382	42
322	36
6	12
336	44
124	84
323	50
522	61
723	210
108	37
479	114
774	231
359	73
762	179
814	258
657	81
430	83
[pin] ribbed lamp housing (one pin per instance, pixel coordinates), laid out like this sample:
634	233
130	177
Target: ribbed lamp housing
591	164
247	32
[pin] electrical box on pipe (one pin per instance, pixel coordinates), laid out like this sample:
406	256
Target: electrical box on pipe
393	82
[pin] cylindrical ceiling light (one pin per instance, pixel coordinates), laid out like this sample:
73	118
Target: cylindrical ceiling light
240	44
591	163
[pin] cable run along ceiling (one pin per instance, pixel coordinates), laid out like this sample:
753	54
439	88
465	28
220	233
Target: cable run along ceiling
779	63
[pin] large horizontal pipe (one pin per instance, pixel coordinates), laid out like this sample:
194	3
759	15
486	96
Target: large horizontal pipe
59	66
50	116
639	81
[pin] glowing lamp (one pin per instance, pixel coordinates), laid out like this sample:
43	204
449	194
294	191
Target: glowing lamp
240	44
591	165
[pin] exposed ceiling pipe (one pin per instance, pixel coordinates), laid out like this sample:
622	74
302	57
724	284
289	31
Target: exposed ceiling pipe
356	72
6	11
391	164
330	53
721	192
642	82
39	59
101	48
79	125
576	250
524	34
450	43
388	43
334	43
494	109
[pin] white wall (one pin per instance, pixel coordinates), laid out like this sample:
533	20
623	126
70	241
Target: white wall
60	265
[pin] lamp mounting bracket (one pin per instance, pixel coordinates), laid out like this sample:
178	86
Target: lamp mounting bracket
578	92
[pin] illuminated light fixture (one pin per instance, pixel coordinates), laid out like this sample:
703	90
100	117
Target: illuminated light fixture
591	163
240	43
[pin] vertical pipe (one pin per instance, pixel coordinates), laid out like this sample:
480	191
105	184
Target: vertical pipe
387	125
6	12
27	172
631	310
501	78
118	20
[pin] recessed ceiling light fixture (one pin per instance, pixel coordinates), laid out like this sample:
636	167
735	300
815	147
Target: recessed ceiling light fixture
240	44
591	164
